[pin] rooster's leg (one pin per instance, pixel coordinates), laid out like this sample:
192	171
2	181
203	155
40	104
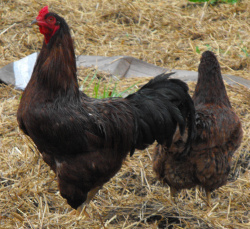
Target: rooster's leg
92	193
90	196
173	192
208	194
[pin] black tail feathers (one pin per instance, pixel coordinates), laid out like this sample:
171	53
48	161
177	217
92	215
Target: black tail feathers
159	106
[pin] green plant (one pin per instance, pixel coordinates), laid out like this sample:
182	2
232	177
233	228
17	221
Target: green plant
84	87
103	89
197	49
215	1
244	49
208	47
108	92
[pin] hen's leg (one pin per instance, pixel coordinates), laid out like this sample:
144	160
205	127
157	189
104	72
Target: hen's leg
208	194
90	196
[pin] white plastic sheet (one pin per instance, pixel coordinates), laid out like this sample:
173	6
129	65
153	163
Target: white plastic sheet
18	73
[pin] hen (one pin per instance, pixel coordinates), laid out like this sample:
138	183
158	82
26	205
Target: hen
219	134
85	140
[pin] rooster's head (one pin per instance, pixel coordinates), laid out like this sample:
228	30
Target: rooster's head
48	23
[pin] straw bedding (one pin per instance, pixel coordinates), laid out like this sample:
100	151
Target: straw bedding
165	33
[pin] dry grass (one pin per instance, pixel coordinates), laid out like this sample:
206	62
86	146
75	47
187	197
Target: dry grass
133	198
164	33
160	32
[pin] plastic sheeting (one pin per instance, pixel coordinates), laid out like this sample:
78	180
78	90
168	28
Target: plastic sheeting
19	72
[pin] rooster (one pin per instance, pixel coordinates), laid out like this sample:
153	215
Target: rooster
85	140
219	134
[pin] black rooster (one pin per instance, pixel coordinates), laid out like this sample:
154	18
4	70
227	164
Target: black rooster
85	140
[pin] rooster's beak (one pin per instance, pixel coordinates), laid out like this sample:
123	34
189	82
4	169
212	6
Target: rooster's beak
34	22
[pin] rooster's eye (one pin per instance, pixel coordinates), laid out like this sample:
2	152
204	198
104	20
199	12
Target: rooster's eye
50	19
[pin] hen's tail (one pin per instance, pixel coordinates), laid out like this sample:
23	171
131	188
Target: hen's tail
159	106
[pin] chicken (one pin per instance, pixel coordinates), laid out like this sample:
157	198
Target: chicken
85	140
219	134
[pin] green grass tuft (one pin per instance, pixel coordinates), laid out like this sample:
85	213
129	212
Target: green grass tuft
99	89
212	2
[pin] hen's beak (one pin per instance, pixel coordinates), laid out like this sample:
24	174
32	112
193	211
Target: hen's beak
34	22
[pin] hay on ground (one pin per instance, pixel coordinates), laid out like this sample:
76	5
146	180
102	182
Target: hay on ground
165	33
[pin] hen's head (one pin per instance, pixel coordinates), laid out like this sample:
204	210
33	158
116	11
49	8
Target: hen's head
48	23
209	61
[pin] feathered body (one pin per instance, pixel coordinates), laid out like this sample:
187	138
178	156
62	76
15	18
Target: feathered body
219	134
85	140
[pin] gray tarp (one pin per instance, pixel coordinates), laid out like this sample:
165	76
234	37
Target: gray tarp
18	73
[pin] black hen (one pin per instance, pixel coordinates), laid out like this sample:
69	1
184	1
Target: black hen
219	134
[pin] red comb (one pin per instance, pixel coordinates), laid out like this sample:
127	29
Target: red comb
42	12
